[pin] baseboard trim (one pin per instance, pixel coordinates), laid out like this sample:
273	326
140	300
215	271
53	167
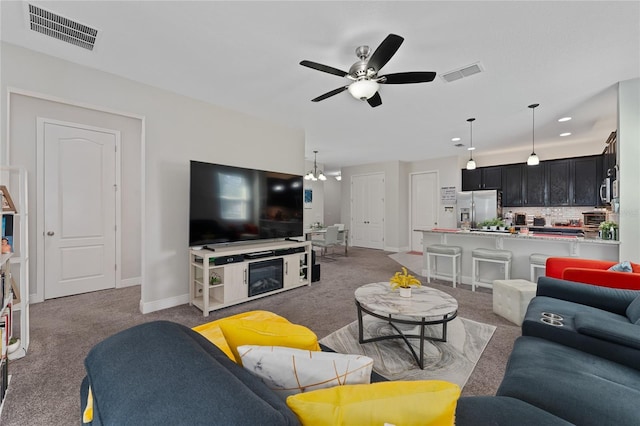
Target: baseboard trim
130	282
158	305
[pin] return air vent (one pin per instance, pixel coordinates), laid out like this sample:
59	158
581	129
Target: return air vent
62	28
462	72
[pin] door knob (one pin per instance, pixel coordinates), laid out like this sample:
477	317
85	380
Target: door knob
50	233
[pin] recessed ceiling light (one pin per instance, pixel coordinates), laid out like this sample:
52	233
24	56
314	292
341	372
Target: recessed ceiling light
565	134
471	148
455	139
564	119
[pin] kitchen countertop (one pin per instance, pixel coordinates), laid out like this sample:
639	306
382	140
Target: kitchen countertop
531	235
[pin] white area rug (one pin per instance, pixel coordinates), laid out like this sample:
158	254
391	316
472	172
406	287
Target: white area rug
452	361
413	262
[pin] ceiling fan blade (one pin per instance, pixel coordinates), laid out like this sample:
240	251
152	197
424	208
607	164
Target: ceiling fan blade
409	77
385	51
323	68
375	100
329	94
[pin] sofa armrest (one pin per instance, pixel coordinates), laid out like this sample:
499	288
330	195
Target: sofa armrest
609	299
626	334
165	373
555	266
606	278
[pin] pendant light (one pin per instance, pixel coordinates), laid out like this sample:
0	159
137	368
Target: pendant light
315	174
533	159
471	165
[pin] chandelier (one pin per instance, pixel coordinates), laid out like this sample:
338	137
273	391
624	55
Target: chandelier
315	174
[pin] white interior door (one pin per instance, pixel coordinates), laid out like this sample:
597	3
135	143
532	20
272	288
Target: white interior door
367	211
79	208
424	205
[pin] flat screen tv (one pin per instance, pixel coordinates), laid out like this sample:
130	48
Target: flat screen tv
232	204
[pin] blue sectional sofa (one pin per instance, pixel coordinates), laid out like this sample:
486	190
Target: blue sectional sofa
574	373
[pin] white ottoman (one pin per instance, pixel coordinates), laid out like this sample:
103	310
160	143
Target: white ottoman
511	298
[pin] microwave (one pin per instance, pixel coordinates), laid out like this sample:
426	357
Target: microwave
605	191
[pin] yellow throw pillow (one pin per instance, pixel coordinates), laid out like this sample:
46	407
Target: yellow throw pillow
212	332
240	332
406	403
87	414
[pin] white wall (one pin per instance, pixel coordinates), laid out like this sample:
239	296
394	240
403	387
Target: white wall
24	111
332	200
316	212
177	130
629	172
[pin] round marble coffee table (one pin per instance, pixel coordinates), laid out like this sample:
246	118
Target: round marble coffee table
426	306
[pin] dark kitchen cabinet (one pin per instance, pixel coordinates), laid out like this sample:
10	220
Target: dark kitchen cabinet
482	178
559	182
587	175
471	179
609	159
512	184
534	185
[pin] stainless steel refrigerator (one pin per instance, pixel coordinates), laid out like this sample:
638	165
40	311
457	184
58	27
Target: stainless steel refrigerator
475	207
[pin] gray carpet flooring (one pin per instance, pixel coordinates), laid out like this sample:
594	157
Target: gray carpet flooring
44	389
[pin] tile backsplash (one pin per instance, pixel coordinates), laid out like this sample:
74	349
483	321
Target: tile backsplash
551	214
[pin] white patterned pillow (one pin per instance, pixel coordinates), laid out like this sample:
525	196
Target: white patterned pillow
289	371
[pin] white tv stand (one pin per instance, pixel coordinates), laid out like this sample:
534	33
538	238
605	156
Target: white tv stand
215	286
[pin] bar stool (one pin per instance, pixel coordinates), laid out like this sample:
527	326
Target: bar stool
537	260
452	252
502	257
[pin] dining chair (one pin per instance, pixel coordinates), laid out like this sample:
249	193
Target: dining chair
330	240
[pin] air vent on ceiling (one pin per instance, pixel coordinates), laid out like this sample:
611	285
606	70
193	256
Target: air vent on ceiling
462	72
62	28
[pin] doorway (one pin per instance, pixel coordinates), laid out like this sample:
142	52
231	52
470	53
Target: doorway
79	166
424	206
367	211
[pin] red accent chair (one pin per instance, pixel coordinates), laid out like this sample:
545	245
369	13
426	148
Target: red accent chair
593	271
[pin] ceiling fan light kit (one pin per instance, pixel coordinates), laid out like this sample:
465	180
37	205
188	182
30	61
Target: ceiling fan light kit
471	164
364	73
533	159
315	174
363	89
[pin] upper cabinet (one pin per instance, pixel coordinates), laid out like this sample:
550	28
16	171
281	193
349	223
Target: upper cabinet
482	178
512	185
535	185
553	183
558	182
586	180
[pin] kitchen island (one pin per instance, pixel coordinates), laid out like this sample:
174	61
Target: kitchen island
521	245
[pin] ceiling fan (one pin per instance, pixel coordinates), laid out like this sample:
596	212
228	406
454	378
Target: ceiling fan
364	73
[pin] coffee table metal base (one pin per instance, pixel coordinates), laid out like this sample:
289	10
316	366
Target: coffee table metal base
422	323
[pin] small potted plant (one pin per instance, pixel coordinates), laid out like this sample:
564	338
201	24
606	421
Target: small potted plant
608	230
403	281
485	224
14	344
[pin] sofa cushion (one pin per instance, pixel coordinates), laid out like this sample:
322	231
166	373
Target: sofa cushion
568	335
502	411
149	382
633	311
577	386
288	371
423	403
213	333
240	332
619	332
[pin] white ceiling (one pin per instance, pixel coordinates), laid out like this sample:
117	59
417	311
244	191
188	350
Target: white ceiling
245	56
